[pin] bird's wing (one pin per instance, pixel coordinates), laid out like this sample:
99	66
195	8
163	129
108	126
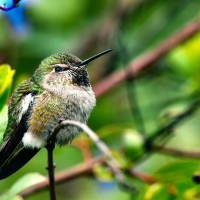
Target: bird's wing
13	155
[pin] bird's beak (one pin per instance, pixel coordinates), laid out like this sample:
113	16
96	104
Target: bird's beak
86	61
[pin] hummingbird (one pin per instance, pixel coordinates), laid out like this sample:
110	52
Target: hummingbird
59	88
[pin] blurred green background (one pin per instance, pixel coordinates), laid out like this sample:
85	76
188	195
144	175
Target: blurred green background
37	29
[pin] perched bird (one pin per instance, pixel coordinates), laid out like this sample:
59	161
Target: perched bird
59	88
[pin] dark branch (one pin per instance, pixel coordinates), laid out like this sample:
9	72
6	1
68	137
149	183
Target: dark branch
147	59
86	169
103	148
50	167
82	169
176	152
174	122
110	160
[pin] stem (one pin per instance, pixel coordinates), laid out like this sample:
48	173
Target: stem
50	147
131	89
102	147
86	168
80	170
176	152
174	122
50	169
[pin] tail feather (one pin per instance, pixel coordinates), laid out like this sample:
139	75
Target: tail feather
16	162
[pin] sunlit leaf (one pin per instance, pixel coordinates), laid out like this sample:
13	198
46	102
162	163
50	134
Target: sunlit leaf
6	76
192	193
102	173
185	60
3	121
23	183
156	192
5	197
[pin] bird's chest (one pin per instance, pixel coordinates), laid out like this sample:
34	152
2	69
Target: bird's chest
48	109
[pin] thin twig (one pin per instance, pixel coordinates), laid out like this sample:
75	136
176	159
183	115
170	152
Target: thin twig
50	147
83	169
131	90
176	152
111	161
147	59
142	176
67	175
50	169
103	148
86	168
173	123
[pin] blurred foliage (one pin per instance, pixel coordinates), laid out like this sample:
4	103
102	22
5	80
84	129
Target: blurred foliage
40	28
23	183
185	60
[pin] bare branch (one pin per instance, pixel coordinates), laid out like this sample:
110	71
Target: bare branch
177	152
50	169
147	59
192	108
69	174
102	147
50	147
86	168
142	176
82	169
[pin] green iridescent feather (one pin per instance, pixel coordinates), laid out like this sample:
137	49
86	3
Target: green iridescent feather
15	105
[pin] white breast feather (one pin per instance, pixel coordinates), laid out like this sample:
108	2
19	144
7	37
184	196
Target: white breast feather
25	105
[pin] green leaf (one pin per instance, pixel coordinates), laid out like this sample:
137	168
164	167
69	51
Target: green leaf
4	197
3	121
6	76
193	193
102	173
155	192
185	61
24	183
178	170
185	57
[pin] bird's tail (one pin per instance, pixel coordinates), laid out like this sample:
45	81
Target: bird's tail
14	162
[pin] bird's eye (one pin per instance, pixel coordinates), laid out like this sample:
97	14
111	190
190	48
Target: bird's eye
58	69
